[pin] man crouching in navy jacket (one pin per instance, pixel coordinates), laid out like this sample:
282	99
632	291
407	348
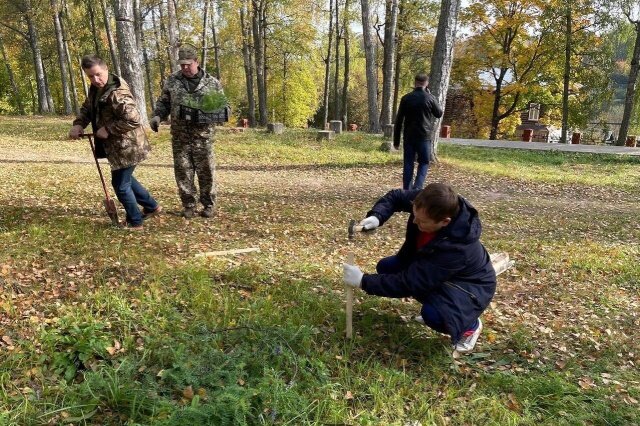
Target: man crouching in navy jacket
441	264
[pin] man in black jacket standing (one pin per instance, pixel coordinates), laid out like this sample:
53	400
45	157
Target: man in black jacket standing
441	264
415	115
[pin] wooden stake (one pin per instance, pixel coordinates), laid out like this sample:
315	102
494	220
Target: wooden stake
349	295
225	252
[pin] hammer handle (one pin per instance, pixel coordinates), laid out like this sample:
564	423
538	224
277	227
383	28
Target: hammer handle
349	297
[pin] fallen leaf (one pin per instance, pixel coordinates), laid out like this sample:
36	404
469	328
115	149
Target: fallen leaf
188	392
348	395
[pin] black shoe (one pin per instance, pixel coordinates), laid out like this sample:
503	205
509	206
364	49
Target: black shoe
208	211
188	212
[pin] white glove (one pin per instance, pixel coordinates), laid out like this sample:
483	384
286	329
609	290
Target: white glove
369	223
155	123
352	275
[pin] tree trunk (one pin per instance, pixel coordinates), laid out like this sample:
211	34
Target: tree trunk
84	80
370	59
145	55
567	74
391	19
47	88
173	35
495	112
327	68
62	59
115	61
72	79
258	46
129	54
631	89
398	61
12	80
216	47
157	37
336	76
44	95
92	22
347	60
248	65
442	60
205	26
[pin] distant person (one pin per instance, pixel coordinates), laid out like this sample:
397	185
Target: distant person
115	120
192	143
416	112
441	264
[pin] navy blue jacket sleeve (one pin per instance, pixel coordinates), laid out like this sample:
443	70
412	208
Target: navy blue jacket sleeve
418	280
397	200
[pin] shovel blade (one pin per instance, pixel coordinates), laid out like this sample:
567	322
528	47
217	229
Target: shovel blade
112	211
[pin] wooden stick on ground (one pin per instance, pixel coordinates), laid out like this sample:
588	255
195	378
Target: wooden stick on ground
226	252
349	296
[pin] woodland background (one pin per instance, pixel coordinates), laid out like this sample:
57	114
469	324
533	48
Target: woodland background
304	63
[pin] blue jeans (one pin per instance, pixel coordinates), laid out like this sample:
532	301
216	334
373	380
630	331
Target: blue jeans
431	317
411	150
131	193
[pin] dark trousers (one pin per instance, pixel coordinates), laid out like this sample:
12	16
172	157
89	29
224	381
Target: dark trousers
413	149
431	317
131	193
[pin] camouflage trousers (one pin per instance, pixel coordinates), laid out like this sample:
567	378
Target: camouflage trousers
190	158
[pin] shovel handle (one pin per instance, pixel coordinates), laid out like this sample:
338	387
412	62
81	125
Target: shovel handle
93	150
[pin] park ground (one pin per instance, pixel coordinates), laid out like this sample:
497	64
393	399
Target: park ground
107	327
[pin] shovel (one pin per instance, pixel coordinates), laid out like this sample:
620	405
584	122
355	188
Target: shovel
109	204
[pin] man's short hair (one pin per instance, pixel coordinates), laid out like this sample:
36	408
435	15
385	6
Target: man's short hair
89	61
438	200
422	78
187	54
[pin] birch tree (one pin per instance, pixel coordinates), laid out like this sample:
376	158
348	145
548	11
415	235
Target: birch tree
172	27
391	18
115	61
205	26
442	60
347	62
247	59
258	22
327	69
129	54
371	69
62	57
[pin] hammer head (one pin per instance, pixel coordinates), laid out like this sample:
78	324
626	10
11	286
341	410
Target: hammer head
352	225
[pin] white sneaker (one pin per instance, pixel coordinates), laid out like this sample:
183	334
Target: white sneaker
468	340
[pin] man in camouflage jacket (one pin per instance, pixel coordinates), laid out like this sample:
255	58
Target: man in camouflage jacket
114	117
192	143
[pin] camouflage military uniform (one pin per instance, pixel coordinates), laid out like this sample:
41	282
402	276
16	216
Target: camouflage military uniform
192	143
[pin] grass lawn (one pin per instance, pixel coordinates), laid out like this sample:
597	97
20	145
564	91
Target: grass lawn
103	327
